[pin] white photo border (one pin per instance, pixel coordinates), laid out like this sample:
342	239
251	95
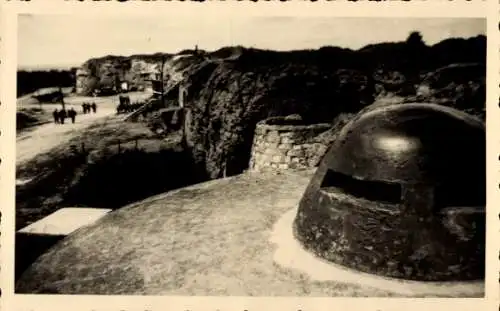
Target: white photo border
8	45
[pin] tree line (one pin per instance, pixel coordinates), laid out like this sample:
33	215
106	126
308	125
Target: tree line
30	81
411	58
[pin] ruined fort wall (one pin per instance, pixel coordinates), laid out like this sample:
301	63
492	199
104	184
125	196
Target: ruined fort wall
286	146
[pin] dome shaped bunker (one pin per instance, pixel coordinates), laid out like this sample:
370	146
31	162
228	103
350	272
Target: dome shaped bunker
401	193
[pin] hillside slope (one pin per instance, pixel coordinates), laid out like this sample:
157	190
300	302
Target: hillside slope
231	89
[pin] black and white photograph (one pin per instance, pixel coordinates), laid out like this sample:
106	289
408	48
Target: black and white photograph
276	156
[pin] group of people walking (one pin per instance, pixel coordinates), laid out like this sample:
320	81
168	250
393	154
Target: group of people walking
86	107
61	115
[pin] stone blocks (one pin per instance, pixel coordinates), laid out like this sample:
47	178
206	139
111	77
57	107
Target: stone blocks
286	146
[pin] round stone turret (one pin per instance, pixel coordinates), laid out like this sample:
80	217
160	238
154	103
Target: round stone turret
401	193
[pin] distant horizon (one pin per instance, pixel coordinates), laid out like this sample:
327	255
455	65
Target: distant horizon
45	67
70	46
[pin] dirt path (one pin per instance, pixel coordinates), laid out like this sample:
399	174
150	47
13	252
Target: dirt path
48	136
45	137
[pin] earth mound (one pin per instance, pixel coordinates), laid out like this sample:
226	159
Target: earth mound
230	90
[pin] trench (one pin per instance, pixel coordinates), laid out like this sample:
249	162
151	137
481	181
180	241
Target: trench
109	182
132	176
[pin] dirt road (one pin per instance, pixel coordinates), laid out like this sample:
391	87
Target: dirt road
48	136
45	137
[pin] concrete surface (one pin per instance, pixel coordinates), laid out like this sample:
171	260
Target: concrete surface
210	239
65	221
290	254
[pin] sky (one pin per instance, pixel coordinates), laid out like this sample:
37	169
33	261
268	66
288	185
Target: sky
63	40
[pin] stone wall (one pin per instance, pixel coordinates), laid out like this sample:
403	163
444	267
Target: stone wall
281	143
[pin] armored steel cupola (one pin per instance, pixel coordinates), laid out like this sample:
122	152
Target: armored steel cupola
401	193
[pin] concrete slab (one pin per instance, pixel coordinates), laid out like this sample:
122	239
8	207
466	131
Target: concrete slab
20	182
65	221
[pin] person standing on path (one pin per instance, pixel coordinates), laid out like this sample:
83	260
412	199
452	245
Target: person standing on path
94	107
62	115
56	116
72	115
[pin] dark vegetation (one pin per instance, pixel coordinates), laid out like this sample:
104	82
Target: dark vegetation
28	117
30	81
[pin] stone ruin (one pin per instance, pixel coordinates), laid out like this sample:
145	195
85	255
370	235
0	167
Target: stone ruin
401	193
287	143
